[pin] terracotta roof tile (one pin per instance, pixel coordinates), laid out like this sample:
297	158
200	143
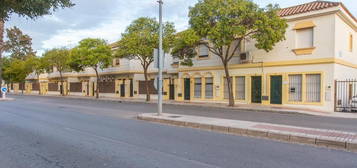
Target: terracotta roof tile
307	7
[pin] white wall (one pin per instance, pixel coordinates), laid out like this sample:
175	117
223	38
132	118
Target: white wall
342	33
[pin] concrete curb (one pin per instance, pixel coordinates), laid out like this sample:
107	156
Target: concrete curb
7	99
291	137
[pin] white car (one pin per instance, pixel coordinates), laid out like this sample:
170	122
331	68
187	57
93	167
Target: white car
353	104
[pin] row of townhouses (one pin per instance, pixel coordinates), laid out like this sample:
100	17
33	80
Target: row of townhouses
300	72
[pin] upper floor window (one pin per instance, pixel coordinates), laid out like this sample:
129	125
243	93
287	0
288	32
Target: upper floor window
305	38
203	51
350	48
116	62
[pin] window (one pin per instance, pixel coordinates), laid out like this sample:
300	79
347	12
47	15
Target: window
203	51
198	88
295	88
116	62
240	87
351	43
313	88
209	88
305	38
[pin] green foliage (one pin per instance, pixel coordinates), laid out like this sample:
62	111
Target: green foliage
38	65
17	70
31	8
185	46
6	65
18	45
57	58
93	53
140	39
224	21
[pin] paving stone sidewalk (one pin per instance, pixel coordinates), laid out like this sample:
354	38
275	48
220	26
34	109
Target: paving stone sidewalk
311	136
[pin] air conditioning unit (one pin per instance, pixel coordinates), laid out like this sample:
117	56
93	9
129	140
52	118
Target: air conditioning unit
245	58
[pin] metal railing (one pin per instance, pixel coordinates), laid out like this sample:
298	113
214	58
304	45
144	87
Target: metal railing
346	96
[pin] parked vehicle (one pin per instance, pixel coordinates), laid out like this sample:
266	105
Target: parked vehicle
353	104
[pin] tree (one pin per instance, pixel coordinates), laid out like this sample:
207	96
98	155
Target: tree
185	44
139	41
38	66
6	65
18	45
58	59
91	53
29	9
17	71
222	26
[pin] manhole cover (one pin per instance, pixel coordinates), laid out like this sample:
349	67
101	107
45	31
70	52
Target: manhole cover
174	116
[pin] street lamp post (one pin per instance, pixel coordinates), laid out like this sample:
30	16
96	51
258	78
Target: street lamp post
160	59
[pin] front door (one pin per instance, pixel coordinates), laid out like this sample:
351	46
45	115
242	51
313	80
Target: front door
87	88
276	89
256	89
187	89
172	90
131	88
93	89
122	90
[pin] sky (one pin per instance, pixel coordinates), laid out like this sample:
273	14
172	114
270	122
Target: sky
107	19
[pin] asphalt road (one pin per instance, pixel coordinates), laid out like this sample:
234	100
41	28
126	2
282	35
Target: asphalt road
45	132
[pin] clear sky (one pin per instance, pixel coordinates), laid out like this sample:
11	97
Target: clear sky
107	19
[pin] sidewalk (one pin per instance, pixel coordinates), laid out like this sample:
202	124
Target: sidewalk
246	107
311	136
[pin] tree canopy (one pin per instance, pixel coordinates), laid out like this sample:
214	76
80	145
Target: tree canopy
58	58
139	41
17	70
92	53
18	45
31	8
185	44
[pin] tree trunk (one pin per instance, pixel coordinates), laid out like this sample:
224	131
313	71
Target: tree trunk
147	84
2	22
62	86
39	85
23	87
229	84
97	90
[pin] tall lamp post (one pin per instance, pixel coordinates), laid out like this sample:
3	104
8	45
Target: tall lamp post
160	59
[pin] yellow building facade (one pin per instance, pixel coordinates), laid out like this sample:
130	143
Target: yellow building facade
300	72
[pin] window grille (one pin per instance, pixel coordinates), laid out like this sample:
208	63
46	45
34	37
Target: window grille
240	87
209	88
313	88
198	88
295	88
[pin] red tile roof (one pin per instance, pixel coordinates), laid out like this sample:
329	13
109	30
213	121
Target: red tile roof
307	7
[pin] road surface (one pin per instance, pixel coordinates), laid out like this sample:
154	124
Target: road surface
47	132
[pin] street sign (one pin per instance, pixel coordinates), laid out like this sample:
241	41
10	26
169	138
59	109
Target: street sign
156	81
4	90
156	58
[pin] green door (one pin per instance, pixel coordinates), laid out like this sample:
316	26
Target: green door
187	89
276	89
256	89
